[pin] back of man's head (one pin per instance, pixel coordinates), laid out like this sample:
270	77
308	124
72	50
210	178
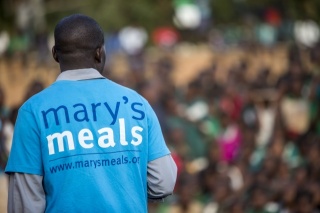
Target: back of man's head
77	36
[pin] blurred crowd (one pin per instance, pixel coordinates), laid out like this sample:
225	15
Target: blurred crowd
246	145
242	145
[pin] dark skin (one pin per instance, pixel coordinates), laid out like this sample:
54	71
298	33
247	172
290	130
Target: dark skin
95	60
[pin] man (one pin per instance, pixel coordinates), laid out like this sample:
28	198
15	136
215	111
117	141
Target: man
86	144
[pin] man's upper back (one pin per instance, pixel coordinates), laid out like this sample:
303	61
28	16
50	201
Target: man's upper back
96	138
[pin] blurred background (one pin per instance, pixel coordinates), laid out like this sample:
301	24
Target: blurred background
235	84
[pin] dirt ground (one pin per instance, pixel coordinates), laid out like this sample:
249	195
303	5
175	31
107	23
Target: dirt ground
3	193
188	61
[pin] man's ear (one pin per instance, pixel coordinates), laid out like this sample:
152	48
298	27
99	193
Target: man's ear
54	54
99	54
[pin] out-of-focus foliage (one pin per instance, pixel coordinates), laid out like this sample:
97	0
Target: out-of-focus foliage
114	14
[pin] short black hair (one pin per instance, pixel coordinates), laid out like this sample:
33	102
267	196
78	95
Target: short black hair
77	34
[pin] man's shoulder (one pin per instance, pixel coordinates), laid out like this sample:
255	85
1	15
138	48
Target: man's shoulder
124	89
36	99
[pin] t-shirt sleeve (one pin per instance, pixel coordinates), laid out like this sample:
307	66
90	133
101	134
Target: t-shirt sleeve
157	146
25	154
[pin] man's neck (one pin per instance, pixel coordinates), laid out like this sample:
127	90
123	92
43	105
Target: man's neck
72	67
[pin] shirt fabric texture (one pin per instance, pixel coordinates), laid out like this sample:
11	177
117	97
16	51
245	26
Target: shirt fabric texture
91	140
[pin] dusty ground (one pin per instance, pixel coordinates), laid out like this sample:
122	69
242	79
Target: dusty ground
189	60
3	193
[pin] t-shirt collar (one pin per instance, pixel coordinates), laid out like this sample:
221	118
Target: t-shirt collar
79	74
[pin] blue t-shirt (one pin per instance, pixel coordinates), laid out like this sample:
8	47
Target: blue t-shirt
91	140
